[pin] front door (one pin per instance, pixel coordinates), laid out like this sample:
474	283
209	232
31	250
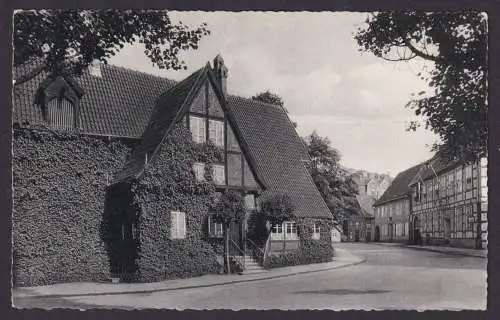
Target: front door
447	229
235	239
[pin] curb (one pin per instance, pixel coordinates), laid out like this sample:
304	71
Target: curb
424	248
448	252
41	296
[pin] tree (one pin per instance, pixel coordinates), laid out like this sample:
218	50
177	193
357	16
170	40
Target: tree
269	97
456	44
229	209
69	40
272	98
277	208
337	188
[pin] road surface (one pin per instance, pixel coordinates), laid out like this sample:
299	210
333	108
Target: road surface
393	277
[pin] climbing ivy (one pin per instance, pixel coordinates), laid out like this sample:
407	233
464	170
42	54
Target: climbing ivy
59	190
169	184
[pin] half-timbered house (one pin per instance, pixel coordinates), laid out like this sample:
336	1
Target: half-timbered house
116	172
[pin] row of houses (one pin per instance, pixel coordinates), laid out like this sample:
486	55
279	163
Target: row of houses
435	202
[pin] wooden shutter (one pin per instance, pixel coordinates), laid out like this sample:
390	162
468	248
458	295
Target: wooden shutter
173	225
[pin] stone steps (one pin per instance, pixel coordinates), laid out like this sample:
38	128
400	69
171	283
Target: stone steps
252	266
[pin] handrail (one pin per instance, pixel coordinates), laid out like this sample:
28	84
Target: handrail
241	251
255	245
236	245
266	249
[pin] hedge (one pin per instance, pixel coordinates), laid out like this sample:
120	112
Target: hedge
60	182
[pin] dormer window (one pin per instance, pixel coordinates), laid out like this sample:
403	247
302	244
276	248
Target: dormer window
61	114
59	99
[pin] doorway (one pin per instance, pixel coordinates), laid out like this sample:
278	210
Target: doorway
447	230
377	234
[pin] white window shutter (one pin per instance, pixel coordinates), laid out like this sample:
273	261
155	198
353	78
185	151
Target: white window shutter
173	225
182	225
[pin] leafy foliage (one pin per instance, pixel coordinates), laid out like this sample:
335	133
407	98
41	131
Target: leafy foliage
169	184
277	208
337	188
269	97
59	190
456	43
272	98
230	207
71	39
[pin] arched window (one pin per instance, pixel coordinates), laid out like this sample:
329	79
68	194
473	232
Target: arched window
61	114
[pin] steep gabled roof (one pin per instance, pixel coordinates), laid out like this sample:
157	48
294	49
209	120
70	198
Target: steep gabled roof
117	104
279	153
400	186
366	203
122	101
169	106
433	167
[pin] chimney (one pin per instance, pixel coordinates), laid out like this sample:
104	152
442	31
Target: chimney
221	73
95	68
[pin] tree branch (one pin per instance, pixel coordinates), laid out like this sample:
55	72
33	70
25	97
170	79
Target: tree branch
399	59
30	75
418	52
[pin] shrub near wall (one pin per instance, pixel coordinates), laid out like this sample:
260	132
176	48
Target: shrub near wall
309	251
169	185
59	182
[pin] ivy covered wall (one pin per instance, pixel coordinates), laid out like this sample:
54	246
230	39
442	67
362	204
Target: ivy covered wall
309	250
60	182
169	185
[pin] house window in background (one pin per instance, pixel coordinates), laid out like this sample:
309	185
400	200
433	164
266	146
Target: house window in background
199	171
198	130
216	132
215	229
316	232
219	174
177	225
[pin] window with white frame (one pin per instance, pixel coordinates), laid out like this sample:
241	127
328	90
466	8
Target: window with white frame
250	201
199	171
219	174
290	230
316	232
198	130
177	225
215	229
216	132
277	232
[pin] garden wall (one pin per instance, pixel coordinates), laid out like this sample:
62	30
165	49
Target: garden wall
60	182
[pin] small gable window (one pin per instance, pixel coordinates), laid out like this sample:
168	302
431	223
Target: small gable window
216	132
199	171
198	129
177	225
316	232
215	229
61	114
219	174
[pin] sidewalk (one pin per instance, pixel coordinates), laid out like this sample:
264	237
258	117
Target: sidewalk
343	258
444	249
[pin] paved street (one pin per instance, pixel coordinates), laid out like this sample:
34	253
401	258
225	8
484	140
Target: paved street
392	277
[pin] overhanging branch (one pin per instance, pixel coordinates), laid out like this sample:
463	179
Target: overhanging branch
418	52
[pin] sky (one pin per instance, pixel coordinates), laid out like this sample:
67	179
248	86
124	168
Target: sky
313	62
